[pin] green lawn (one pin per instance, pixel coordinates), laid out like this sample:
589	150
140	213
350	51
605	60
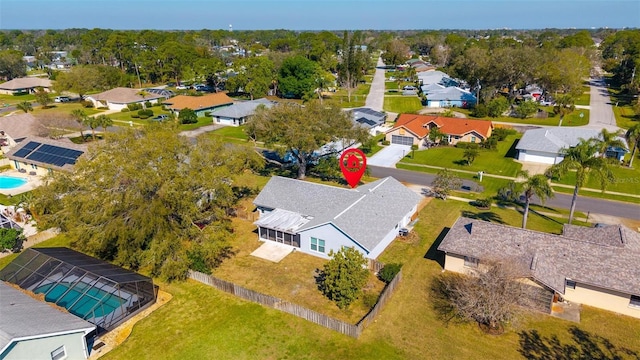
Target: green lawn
391	85
402	104
572	119
625	117
63	108
598	195
498	162
202	121
201	322
234	134
585	97
15	99
627	180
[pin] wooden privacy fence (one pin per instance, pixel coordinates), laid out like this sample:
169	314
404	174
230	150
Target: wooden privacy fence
297	310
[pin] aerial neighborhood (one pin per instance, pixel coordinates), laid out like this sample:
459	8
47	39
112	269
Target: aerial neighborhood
361	194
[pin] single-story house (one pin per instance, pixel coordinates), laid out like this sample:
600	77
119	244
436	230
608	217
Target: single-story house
16	127
431	77
238	113
451	96
24	85
200	104
40	156
545	145
413	129
119	98
316	219
591	266
32	329
370	119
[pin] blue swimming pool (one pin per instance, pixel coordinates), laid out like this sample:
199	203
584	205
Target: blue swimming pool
80	301
9	182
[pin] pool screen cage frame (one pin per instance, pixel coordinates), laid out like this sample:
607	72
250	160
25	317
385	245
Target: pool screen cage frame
92	289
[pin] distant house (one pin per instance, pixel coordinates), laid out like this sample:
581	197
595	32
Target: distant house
40	156
369	119
451	96
32	329
200	104
238	113
591	266
17	127
25	85
316	219
431	77
545	145
119	98
413	129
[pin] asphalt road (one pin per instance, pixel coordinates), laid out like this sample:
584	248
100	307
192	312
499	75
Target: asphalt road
601	110
584	204
375	98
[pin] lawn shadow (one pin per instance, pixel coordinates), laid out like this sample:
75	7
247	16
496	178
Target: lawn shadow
433	253
461	162
512	152
584	346
484	215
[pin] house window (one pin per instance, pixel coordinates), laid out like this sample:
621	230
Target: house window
473	139
317	245
635	301
471	262
59	353
570	284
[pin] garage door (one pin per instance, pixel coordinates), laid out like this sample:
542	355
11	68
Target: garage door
401	140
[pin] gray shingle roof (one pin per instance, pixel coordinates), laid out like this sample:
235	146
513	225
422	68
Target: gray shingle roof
19	126
580	254
22	316
123	95
366	213
242	109
552	140
25	83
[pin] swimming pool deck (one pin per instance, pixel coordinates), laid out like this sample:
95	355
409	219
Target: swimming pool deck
33	181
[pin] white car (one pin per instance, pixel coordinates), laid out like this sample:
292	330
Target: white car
61	99
181	87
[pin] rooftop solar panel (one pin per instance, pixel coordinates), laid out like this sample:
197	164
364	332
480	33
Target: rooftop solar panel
54	155
22	153
31	145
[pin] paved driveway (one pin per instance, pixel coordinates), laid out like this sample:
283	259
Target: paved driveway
375	99
389	156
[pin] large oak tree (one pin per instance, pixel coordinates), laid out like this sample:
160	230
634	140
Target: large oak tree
148	199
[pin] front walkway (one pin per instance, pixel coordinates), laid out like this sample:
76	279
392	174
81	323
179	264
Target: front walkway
389	156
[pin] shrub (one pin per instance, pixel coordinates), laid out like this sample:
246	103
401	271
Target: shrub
482	203
125	110
491	143
385	142
135	116
148	104
134	107
467	145
369	299
480	111
87	104
502	133
389	271
207	113
343	277
497	106
146	113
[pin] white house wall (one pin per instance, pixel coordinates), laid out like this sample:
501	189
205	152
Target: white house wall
601	298
41	348
537	157
333	237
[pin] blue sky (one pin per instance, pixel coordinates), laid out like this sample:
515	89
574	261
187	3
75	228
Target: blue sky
318	15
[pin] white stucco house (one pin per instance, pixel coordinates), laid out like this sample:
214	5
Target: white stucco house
32	329
545	145
119	98
316	219
238	113
591	266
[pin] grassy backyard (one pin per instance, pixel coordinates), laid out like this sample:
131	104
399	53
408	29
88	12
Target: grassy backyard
498	162
585	97
200	322
402	104
234	134
63	109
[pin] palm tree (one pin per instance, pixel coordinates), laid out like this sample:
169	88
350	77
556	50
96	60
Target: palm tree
633	136
565	104
581	159
104	121
537	185
93	123
80	117
607	139
25	106
470	154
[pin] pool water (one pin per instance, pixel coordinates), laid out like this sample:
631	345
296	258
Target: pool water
83	307
9	182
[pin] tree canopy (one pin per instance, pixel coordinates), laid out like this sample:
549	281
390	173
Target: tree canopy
298	77
343	277
302	130
148	199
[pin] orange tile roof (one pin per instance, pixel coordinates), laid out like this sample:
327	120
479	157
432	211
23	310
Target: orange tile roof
450	126
198	102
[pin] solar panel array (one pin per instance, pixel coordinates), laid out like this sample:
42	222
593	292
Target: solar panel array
48	154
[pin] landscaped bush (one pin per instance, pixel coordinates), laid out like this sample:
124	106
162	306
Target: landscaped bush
480	111
502	133
497	106
146	113
481	203
369	299
134	107
385	142
135	116
389	271
125	110
491	143
87	104
148	104
207	113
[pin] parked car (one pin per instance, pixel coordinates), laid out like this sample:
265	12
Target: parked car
61	99
161	117
203	88
181	87
403	232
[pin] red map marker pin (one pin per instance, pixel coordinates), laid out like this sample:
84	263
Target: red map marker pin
353	164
